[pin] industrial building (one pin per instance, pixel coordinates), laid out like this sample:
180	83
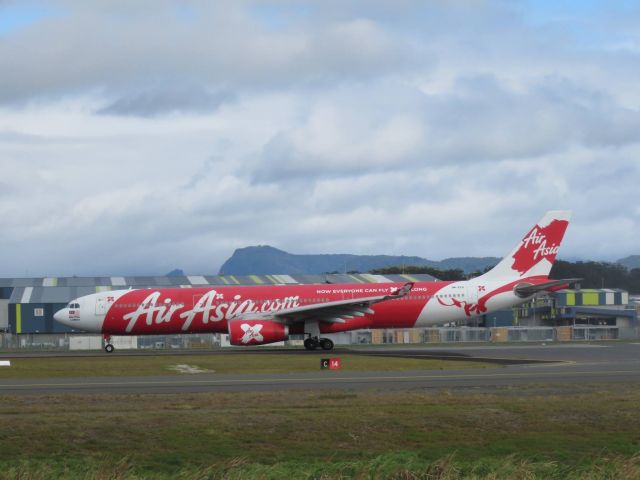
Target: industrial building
606	313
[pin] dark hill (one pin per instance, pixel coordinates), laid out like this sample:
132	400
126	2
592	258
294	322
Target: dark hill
176	272
263	259
632	261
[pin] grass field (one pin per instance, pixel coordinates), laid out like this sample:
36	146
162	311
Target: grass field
166	364
581	432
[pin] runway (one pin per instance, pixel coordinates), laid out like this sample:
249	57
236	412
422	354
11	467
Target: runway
529	365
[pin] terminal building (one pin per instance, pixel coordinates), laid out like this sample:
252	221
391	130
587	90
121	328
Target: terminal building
586	314
578	307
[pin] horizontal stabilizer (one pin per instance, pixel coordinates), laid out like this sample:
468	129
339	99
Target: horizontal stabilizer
528	289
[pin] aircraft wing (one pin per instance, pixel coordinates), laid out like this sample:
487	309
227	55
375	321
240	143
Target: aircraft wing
331	312
528	289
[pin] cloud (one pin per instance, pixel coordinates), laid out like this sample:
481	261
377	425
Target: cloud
156	135
479	119
116	46
153	102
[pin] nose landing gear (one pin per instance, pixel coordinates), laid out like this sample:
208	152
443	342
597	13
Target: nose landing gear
108	347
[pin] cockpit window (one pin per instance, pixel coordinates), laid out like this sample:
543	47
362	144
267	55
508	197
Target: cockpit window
73	305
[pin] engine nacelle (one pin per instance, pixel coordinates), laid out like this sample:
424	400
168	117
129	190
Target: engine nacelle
256	332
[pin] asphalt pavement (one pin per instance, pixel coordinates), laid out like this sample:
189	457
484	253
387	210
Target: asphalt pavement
516	366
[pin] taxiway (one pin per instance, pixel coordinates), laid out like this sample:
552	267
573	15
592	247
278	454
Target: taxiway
528	365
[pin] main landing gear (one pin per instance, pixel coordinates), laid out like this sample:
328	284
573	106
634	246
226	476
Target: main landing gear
108	347
312	343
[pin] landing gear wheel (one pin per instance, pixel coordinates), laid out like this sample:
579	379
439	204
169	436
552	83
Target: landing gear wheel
108	348
326	344
310	344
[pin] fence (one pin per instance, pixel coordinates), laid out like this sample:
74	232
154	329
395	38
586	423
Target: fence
447	335
66	341
33	341
531	334
595	333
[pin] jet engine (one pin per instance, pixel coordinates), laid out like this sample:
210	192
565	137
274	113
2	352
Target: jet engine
256	332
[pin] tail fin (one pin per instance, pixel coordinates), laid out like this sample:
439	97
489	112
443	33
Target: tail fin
536	252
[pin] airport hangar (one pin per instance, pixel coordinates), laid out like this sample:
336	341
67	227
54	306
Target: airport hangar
27	306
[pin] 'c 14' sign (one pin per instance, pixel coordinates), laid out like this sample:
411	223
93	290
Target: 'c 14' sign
330	363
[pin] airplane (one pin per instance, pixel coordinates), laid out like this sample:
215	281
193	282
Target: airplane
257	315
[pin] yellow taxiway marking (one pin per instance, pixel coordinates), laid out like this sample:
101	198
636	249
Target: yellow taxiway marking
312	380
555	363
482	359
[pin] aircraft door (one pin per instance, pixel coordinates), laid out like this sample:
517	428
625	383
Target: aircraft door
472	293
103	304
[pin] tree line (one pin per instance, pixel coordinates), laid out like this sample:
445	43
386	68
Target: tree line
599	275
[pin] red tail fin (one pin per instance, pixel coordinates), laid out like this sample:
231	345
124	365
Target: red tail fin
537	250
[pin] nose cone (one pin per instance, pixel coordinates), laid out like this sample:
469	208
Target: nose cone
62	316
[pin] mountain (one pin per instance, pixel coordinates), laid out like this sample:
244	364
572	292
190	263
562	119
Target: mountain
175	273
632	261
263	259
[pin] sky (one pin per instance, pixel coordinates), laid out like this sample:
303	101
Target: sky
139	137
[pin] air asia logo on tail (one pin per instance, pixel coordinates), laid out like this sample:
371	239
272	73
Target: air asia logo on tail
539	243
